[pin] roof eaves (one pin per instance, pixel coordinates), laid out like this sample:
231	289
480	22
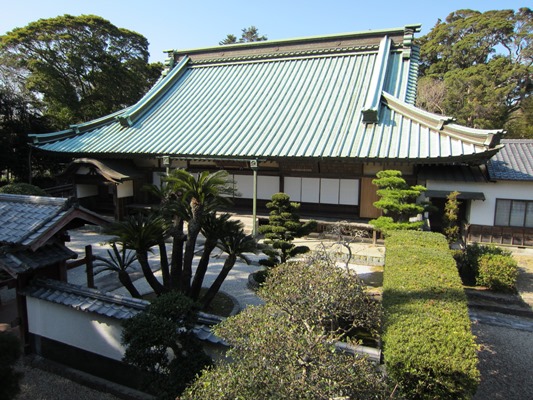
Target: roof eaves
488	138
426	118
74	130
62	220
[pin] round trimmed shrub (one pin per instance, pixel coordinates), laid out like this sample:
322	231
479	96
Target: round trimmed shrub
498	272
23	188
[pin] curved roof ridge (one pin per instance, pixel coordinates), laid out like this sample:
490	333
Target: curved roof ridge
488	138
154	94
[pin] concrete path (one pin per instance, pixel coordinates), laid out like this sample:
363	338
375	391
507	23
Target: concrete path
236	284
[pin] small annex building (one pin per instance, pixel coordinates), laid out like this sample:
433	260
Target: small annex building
313	117
501	194
33	232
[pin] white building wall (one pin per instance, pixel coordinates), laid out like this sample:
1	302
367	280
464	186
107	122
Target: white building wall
125	189
83	190
88	331
482	212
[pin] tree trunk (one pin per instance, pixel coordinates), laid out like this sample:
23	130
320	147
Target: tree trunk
176	266
164	263
125	279
215	287
201	269
192	234
157	287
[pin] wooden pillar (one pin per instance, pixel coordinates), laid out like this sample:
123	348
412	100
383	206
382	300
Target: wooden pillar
89	266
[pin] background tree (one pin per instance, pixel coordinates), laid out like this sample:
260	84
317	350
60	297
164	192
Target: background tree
477	67
283	227
285	349
250	34
398	202
82	67
18	116
23	188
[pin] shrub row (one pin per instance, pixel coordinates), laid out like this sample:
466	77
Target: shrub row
429	348
488	266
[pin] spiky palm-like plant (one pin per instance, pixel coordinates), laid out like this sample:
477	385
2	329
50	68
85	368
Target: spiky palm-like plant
140	233
235	243
198	196
119	261
213	228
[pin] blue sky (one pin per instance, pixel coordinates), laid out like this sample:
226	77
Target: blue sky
181	24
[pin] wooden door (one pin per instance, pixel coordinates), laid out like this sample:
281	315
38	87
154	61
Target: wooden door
368	197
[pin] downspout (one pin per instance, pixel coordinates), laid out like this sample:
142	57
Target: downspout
254	167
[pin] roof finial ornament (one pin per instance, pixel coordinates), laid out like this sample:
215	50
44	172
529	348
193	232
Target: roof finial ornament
408	38
169	62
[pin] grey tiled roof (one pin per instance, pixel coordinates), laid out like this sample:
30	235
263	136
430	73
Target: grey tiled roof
86	299
109	304
514	162
24	218
17	262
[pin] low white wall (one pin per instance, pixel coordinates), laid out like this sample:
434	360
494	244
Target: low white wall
88	331
482	212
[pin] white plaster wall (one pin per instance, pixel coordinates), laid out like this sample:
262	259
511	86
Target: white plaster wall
244	185
83	190
323	190
482	212
87	331
266	186
329	191
293	188
310	190
125	189
349	192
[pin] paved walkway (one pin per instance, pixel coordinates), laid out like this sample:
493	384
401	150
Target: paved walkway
236	284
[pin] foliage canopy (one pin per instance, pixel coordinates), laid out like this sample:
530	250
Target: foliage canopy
250	34
82	67
477	67
398	202
283	227
286	348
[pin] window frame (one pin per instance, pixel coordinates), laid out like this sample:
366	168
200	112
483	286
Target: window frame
528	205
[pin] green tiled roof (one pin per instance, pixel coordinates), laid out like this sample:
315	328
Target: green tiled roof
292	102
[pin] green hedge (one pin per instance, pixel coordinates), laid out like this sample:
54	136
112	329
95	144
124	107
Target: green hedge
429	348
498	272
